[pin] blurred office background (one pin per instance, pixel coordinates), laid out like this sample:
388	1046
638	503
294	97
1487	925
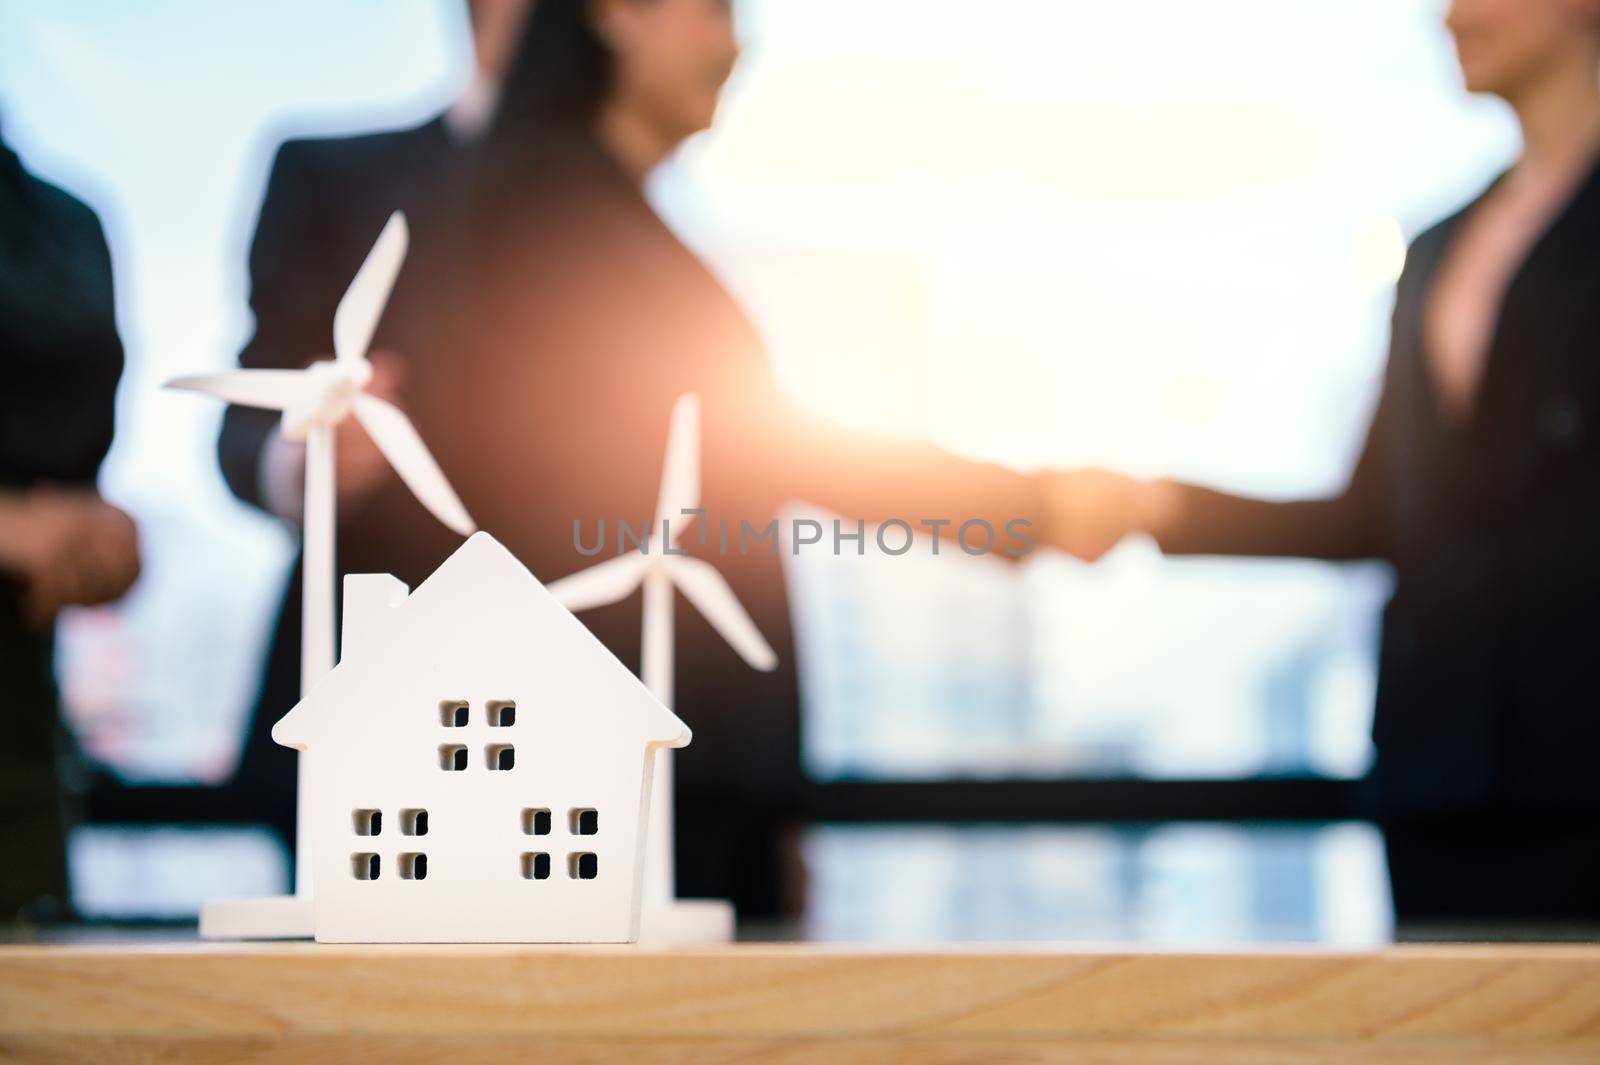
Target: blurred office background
1038	231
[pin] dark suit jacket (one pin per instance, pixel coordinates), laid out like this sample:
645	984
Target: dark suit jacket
60	359
59	352
325	203
1489	678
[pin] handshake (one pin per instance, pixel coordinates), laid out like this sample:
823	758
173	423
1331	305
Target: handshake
1088	512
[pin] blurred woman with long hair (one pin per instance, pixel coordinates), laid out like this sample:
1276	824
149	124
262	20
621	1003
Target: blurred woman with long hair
576	321
1480	484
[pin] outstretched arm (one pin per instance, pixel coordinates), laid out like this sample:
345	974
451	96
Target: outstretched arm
1189	520
776	453
1097	508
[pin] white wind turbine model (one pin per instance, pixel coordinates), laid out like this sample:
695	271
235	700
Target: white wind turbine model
314	400
658	572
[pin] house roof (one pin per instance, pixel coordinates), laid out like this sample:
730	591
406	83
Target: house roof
480	570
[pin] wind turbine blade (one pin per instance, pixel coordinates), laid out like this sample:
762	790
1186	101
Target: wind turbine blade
607	582
680	473
703	586
271	389
363	302
397	438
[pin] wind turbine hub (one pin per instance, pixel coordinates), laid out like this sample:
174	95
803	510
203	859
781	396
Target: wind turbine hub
333	384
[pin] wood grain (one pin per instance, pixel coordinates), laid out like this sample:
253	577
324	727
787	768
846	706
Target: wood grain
778	1003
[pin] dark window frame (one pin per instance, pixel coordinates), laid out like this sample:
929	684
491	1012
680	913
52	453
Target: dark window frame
1034	800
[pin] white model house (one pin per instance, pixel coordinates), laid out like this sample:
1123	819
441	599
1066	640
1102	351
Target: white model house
478	763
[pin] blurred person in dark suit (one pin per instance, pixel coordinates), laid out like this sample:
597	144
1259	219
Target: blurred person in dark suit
577	320
325	202
60	543
1480	484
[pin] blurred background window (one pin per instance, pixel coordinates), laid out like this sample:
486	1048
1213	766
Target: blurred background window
1154	235
1189	885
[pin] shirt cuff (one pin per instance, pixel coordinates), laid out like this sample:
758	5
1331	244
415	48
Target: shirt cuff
283	477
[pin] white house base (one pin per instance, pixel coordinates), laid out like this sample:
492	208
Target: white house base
686	922
276	917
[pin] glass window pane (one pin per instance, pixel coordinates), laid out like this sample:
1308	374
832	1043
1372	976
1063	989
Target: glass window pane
1175	884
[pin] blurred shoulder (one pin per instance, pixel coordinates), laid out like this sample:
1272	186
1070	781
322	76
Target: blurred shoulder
330	157
1437	235
1427	245
60	208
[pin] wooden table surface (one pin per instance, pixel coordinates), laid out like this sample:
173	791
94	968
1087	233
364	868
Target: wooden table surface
309	1003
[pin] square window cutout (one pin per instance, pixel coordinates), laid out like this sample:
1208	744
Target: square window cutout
365	866
502	714
453	713
413	822
452	757
501	756
535	866
368	822
584	821
536	822
413	867
583	866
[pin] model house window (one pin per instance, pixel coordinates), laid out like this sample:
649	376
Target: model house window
583	866
453	713
364	866
413	867
452	757
501	755
502	714
585	821
368	822
535	866
413	822
536	822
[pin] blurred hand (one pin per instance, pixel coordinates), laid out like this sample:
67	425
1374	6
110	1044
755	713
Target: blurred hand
1092	510
359	467
67	546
